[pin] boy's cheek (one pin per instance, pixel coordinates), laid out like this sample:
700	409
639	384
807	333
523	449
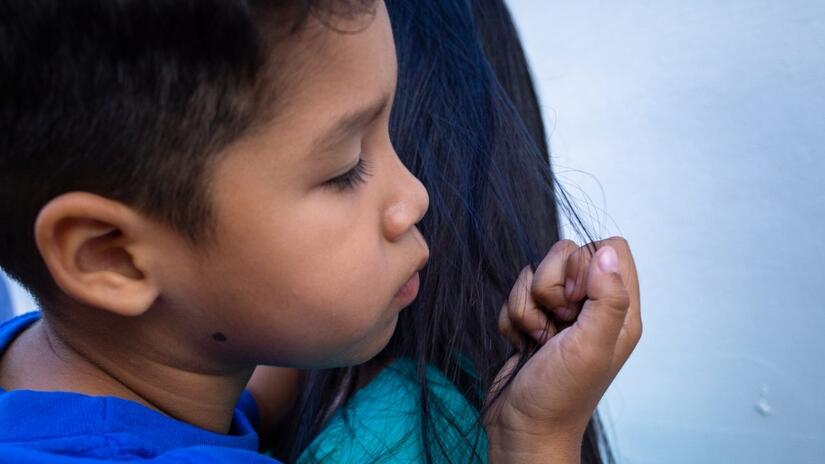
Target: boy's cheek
290	324
345	333
296	298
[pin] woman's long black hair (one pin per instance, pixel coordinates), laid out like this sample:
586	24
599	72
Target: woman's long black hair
466	121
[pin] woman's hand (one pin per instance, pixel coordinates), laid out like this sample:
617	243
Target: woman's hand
541	416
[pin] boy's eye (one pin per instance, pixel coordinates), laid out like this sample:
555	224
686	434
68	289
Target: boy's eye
352	178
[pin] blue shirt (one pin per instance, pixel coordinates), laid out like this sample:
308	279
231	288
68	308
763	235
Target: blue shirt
71	428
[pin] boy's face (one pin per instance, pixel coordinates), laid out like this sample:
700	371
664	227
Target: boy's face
306	270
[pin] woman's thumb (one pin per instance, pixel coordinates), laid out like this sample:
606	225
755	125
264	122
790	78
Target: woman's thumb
607	299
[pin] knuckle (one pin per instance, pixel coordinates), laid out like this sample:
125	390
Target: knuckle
543	292
515	312
637	329
517	302
502	328
560	251
563	245
504	312
503	322
513	299
633	332
512	305
535	320
619	300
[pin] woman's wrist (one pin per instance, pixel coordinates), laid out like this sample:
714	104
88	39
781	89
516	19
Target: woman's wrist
520	448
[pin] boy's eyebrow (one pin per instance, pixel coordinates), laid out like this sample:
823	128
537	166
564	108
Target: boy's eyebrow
349	123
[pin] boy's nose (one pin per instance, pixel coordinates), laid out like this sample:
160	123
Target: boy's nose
412	202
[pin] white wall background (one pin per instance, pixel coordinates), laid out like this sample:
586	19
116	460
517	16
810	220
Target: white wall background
703	124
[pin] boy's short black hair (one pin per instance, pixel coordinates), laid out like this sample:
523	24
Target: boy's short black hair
131	100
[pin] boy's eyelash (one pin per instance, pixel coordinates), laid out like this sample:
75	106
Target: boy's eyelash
352	178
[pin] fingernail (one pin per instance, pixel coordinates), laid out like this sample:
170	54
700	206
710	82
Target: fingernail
539	336
608	261
569	286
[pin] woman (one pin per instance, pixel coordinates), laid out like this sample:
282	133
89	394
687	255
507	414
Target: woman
467	123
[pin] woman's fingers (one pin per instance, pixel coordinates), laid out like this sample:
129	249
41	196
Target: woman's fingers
548	287
578	265
521	313
563	281
505	326
576	269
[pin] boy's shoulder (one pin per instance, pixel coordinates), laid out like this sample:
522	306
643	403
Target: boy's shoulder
65	427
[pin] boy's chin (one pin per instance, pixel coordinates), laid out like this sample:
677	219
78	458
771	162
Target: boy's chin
374	350
361	351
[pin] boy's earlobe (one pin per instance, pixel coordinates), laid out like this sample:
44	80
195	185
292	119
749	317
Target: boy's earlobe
97	253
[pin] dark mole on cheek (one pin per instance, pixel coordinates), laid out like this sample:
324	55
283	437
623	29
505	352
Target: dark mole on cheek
219	337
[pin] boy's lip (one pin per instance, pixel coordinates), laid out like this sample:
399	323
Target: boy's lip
407	293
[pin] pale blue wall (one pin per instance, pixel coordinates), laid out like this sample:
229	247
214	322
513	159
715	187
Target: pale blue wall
704	124
13	298
6	309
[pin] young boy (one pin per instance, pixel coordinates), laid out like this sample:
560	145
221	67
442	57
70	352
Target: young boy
192	188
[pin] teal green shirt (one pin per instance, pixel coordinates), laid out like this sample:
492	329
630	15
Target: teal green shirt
380	423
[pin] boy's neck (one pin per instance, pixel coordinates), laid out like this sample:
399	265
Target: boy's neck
45	357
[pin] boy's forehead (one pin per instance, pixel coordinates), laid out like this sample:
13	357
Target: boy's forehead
350	63
343	71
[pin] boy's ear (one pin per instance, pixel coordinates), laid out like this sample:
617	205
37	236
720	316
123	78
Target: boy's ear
99	252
